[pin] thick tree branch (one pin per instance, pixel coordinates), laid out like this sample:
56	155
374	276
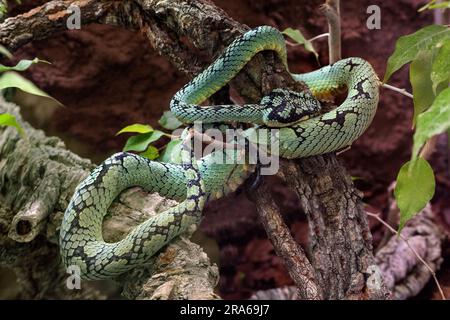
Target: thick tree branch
298	266
340	239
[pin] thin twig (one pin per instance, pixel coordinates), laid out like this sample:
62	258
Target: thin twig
376	216
323	35
214	142
332	12
399	90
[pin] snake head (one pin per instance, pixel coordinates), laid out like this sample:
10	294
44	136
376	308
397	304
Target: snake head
285	107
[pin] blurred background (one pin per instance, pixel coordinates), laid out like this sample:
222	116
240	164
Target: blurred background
108	78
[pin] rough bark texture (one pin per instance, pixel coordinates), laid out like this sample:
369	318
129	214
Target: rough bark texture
402	271
298	266
340	240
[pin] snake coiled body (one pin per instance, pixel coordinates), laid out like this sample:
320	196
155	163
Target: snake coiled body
303	132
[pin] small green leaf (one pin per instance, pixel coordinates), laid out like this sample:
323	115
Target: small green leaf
426	6
14	80
5	52
137	128
434	121
407	47
151	153
422	87
141	141
414	189
22	65
440	72
442	5
298	37
7	119
169	121
172	152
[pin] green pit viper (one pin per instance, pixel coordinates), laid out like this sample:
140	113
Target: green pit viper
303	132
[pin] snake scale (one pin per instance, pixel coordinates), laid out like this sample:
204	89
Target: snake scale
303	131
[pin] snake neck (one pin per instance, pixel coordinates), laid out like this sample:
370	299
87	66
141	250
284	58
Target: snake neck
185	103
338	128
191	113
356	74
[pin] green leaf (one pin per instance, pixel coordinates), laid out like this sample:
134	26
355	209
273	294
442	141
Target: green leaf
169	121
7	119
5	52
427	6
172	152
414	189
407	47
141	141
14	80
298	37
137	128
22	65
151	153
440	72
434	121
442	5
422	87
3	8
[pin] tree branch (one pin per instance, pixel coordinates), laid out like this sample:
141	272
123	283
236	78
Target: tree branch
298	266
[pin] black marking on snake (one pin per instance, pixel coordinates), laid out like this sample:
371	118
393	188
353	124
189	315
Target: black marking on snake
79	251
121	156
360	89
340	118
295	112
351	64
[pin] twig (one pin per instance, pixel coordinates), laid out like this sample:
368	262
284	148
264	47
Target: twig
320	36
399	90
323	35
376	216
332	12
214	142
